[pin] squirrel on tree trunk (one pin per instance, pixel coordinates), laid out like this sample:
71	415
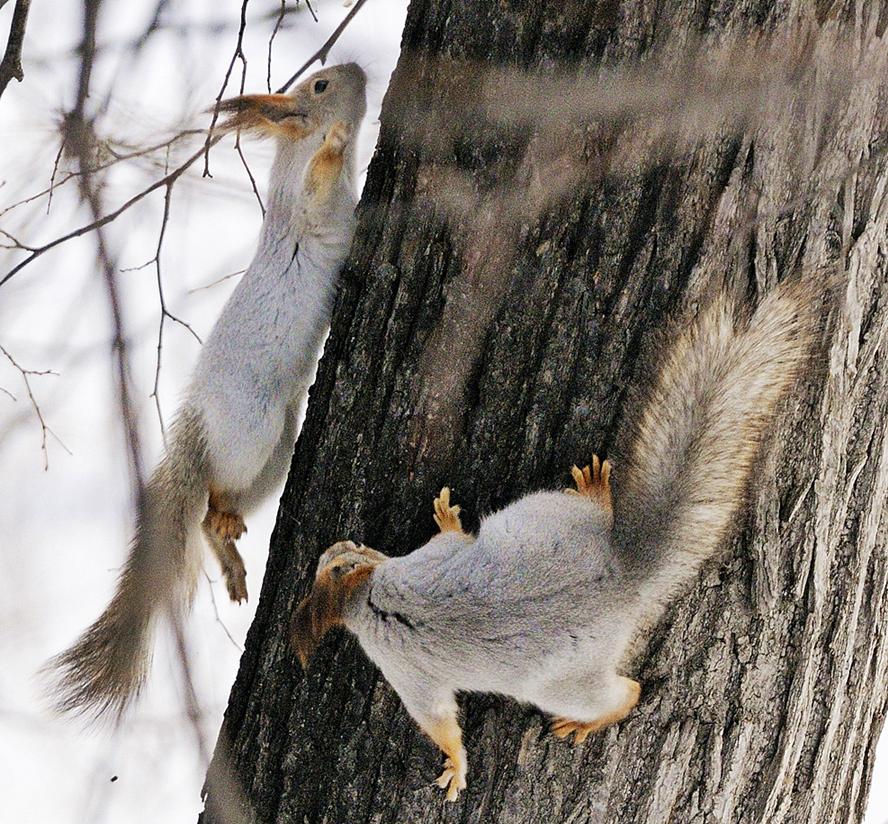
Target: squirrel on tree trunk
544	602
232	440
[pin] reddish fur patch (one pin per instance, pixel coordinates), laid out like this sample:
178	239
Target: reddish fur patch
327	162
221	518
267	114
322	609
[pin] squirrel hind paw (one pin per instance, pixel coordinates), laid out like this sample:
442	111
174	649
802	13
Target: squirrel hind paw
452	779
226	526
564	727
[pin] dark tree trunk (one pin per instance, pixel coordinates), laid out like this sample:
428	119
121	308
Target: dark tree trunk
507	272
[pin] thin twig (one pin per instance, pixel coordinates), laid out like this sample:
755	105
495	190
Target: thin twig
238	53
52	183
323	51
219	617
111	216
164	311
216	282
274	31
16	244
243	159
44	427
115	159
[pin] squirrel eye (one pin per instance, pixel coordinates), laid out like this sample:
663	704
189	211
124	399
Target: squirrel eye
320	85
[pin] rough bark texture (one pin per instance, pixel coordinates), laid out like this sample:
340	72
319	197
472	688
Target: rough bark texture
493	361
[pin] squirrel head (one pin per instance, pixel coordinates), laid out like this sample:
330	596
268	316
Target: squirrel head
337	93
342	569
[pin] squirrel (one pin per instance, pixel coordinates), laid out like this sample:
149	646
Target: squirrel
544	603
233	437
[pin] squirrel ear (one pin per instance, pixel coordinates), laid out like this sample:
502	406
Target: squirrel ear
302	637
264	114
322	609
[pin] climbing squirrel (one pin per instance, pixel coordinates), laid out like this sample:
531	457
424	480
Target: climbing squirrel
542	604
233	437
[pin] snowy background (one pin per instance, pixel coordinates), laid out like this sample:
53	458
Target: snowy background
64	530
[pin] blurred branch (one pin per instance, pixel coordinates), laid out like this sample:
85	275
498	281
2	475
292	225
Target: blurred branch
172	176
11	65
80	141
116	157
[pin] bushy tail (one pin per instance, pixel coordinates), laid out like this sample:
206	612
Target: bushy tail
690	450
105	669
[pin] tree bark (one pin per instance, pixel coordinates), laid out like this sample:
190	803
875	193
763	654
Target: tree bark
490	321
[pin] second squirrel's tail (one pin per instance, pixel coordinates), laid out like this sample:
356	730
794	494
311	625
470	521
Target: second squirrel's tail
107	666
690	451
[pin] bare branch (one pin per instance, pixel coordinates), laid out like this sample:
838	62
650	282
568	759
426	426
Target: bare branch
216	282
15	243
11	65
323	51
219	617
27	374
274	31
238	54
164	310
81	141
116	157
109	217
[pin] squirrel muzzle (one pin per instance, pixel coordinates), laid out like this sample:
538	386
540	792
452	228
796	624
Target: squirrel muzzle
322	609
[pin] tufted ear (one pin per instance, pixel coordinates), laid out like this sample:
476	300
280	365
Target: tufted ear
322	609
269	115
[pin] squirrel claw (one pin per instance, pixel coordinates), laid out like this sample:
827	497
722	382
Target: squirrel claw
563	727
237	588
446	516
235	574
593	481
451	780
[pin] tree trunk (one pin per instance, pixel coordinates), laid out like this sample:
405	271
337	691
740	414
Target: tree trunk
521	237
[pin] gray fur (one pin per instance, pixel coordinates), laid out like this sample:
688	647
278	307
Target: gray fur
238	426
542	604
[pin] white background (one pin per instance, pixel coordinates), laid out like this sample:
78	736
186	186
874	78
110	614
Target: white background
63	532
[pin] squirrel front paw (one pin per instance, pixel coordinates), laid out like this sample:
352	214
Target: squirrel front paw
446	516
337	137
593	482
